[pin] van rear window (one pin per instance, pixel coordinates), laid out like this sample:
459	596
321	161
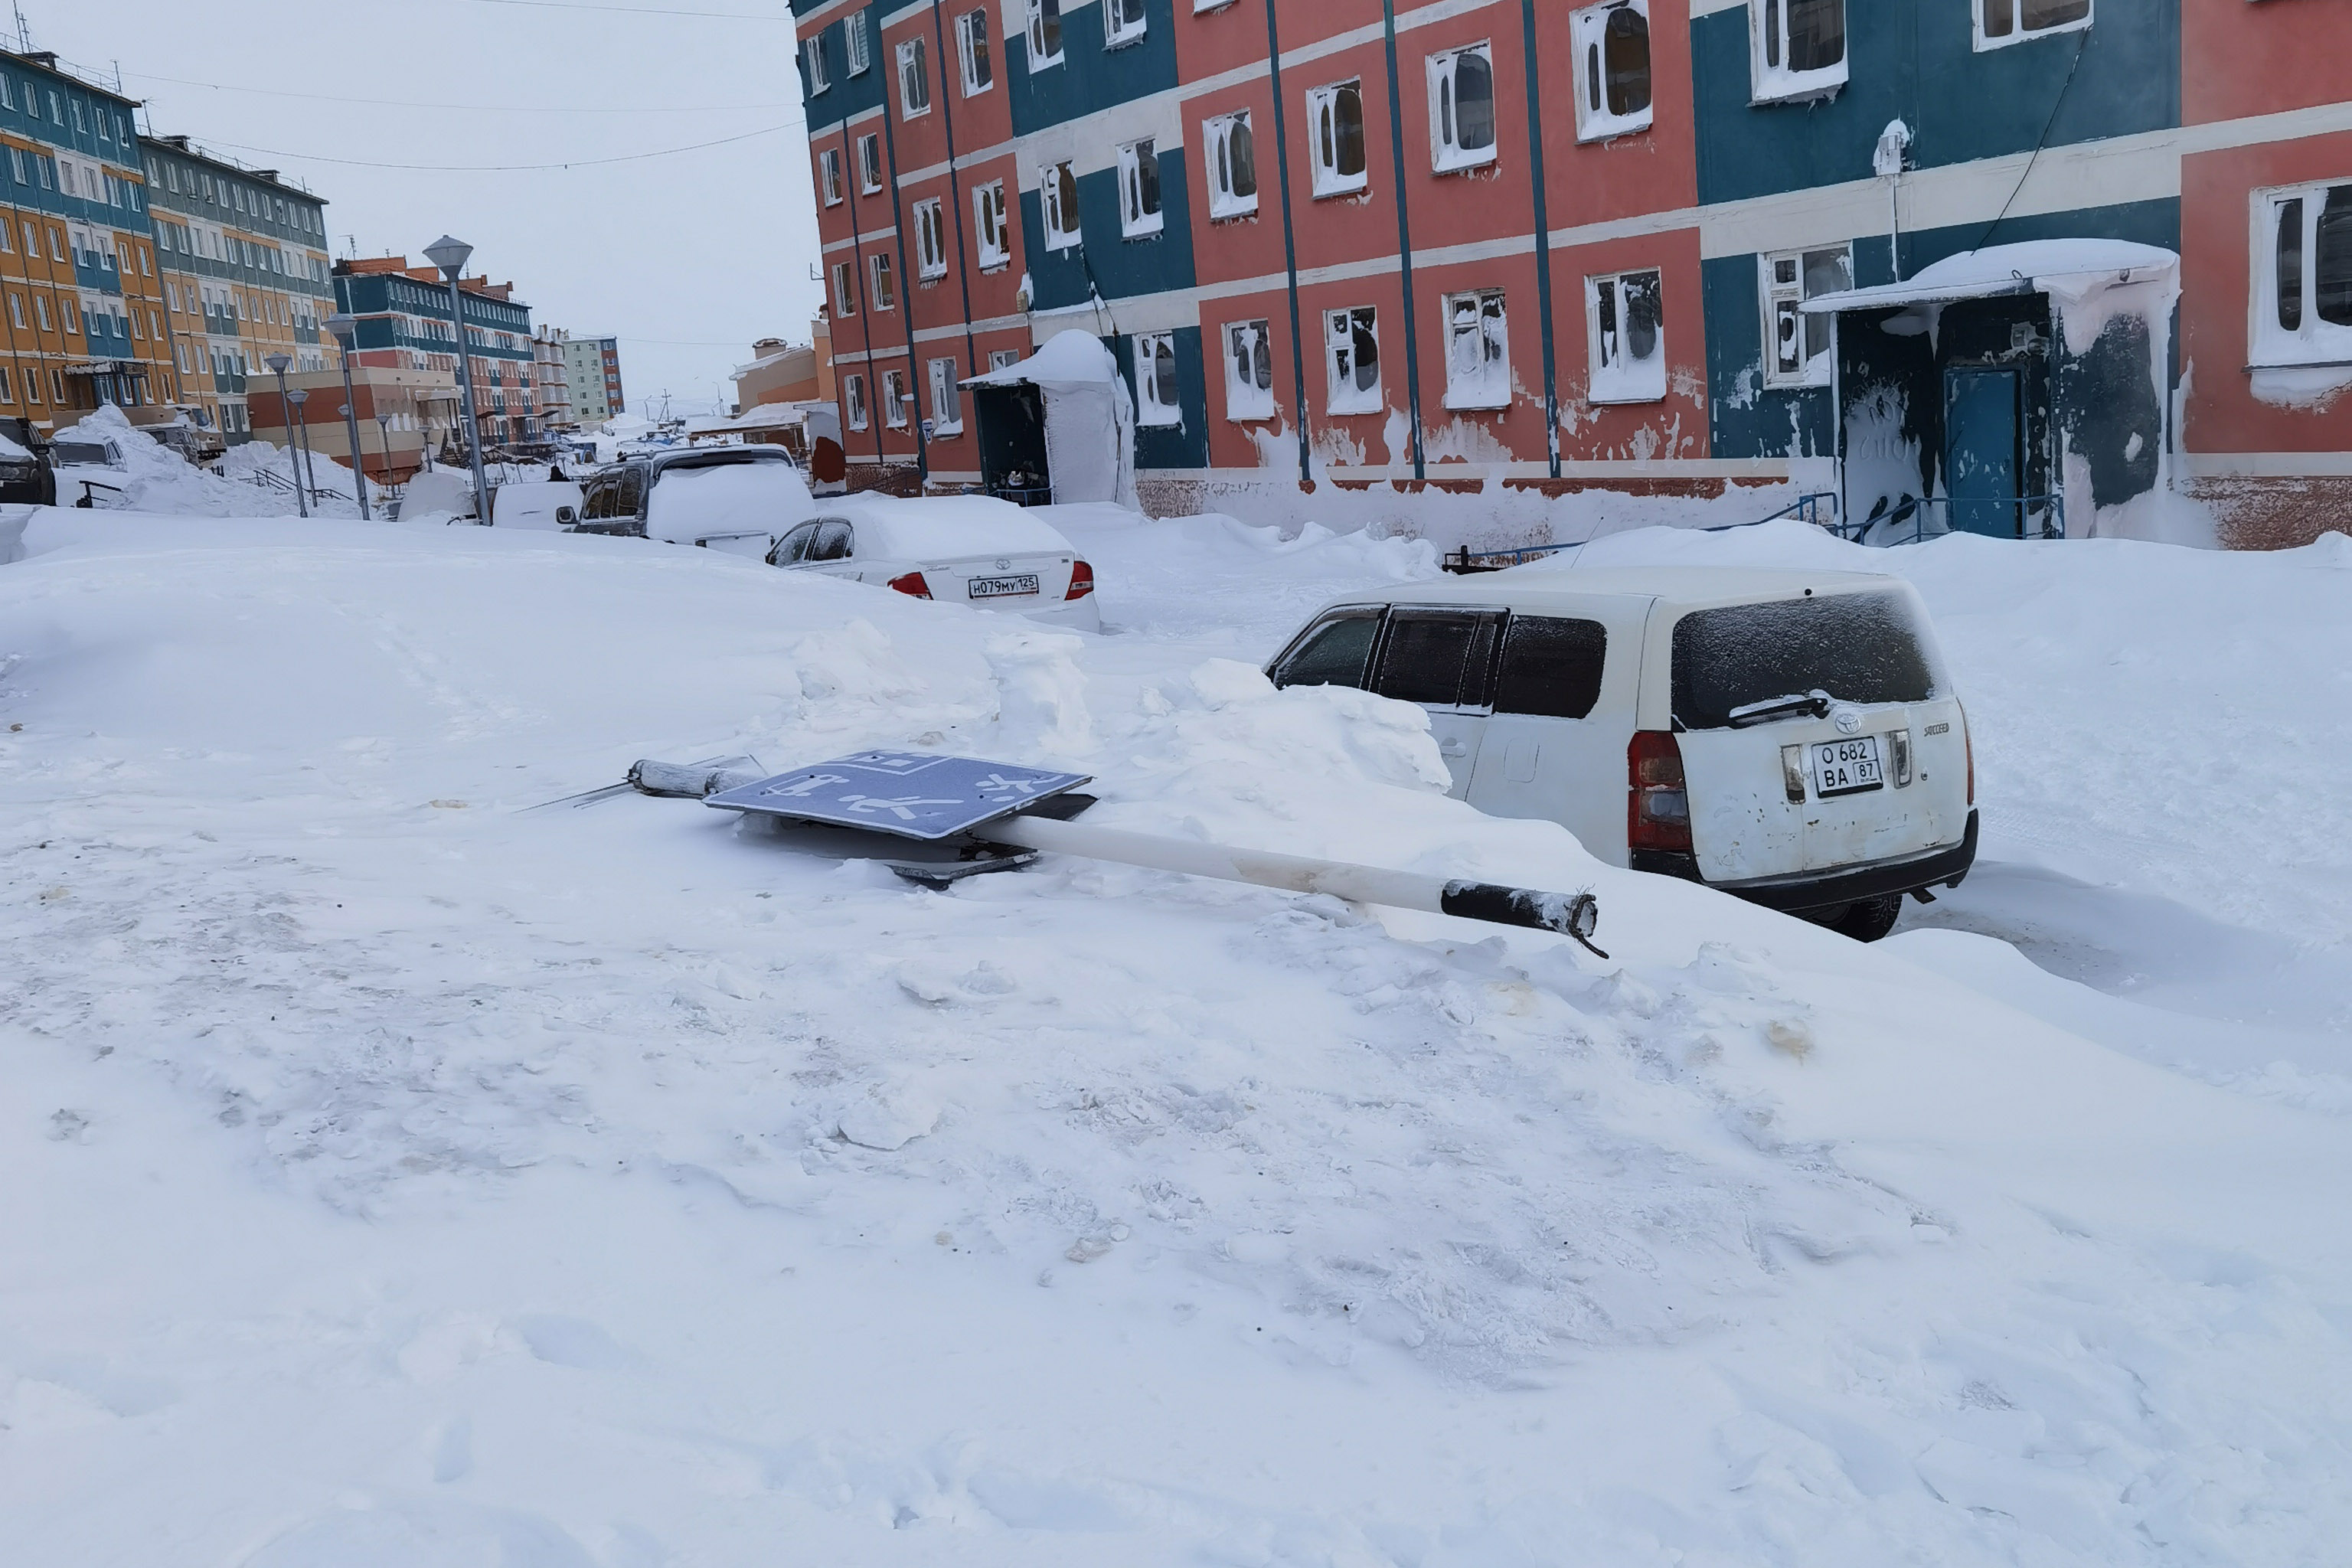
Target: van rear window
1859	647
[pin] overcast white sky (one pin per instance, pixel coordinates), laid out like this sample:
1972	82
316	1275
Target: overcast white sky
687	260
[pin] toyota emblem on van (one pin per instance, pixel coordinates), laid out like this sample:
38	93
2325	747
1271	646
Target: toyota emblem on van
1847	720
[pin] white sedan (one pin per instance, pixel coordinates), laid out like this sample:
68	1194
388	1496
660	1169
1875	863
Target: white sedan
965	550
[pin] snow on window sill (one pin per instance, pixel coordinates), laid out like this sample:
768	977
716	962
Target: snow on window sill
1226	213
943	432
1168	421
1048	63
1770	84
1250	415
1478	402
1151	230
1608	391
1984	45
1366	402
1608	127
1454	162
915	113
1356	187
1061	242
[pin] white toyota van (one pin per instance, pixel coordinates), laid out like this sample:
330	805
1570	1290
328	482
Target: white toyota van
1789	737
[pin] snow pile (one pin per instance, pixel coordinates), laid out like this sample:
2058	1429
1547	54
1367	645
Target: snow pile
430	1184
760	499
156	480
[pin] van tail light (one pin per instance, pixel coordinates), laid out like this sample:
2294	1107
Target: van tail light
1968	740
1082	580
912	584
1658	812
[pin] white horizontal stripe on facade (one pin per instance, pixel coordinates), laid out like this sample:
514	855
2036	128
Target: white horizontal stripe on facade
814	21
836	127
2264	465
1709	7
1091	143
877	237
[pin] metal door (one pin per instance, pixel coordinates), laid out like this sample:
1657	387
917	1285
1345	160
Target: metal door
1980	451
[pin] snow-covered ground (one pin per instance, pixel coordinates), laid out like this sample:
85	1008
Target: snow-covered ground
406	1178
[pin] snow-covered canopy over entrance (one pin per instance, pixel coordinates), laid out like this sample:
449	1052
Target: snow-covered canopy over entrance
1089	420
2070	266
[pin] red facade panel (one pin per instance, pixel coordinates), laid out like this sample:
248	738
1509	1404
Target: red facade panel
2260	56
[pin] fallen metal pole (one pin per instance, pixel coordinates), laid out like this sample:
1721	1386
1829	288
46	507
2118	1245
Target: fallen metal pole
1570	914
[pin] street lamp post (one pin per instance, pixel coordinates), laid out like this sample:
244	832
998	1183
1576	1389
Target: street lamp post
450	256
308	474
278	364
383	440
346	330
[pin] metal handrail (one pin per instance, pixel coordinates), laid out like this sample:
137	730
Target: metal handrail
1915	511
1464	561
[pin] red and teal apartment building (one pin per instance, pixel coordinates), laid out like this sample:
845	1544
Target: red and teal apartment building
2008	266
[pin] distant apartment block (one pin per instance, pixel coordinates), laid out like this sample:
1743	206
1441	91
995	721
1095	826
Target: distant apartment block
595	369
403	323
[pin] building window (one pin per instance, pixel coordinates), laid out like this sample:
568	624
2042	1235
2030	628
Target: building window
947	406
1232	155
1352	352
1624	318
869	163
1249	371
811	54
1797	347
989	226
914	80
8	387
856	44
1155	380
1798	48
894	399
1122	22
1613	70
1335	128
931	240
1139	190
41	311
971	50
844	290
828	175
1045	33
1003	359
1477	351
853	394
1461	107
2303	274
1059	195
881	288
2004	22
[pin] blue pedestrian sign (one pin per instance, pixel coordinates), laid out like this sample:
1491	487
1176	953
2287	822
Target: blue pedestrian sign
911	795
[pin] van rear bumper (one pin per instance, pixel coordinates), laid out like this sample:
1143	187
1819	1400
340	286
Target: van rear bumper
1794	895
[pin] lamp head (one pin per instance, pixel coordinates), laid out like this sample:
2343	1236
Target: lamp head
344	326
278	363
297	398
449	255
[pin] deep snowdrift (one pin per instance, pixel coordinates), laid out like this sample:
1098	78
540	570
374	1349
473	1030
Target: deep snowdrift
422	1182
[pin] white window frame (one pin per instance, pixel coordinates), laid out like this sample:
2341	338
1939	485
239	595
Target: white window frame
1446	155
1050	204
993	240
1492	328
1339	356
1134	223
870	172
1817	370
2018	33
967	55
895	399
852	394
914	79
1216	138
931	240
1327	180
829	179
881	283
1770	83
2270	344
1247	403
820	77
1588	30
946	398
1036	13
1615	377
1151	413
858	44
1003	359
1118	31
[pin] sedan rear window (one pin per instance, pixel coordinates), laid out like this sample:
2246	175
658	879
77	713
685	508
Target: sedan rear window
1857	647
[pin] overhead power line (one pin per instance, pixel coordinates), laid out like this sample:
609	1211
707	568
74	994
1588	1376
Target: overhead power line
506	168
465	108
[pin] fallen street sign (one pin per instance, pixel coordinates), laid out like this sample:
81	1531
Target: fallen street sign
911	795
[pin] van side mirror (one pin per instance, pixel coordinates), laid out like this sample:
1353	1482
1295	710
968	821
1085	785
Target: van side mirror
566	516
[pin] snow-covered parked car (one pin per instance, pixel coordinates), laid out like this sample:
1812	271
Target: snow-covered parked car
740	500
25	477
536	503
90	469
965	550
1789	737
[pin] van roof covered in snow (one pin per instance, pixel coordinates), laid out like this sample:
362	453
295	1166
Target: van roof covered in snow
1544	587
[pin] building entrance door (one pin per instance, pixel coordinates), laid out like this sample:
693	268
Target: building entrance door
1982	461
